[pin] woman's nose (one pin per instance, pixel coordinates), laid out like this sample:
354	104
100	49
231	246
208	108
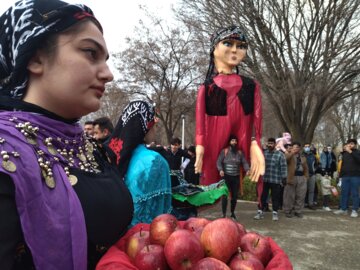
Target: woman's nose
106	74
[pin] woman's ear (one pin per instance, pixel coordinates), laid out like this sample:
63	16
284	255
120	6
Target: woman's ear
36	63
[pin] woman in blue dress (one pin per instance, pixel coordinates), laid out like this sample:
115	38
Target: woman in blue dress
146	172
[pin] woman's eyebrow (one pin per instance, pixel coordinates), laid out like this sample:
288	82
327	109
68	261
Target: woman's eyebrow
98	45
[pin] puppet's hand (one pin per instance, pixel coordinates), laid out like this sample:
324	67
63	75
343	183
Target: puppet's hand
199	158
257	162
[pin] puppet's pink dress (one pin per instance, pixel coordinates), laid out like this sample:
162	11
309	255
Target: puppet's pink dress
235	109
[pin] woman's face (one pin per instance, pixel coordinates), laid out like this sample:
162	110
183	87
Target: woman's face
151	134
72	81
228	54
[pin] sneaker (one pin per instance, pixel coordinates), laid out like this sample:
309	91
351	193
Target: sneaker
299	215
275	216
354	213
312	207
259	215
340	212
233	216
326	208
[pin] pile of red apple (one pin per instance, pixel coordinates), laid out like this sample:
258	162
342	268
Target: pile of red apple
197	244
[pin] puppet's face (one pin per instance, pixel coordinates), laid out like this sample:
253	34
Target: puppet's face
228	54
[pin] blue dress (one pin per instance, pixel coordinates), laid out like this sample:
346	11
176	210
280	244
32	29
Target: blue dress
148	179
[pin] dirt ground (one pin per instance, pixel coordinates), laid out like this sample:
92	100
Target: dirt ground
319	241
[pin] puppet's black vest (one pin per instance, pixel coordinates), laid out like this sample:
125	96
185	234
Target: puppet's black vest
215	98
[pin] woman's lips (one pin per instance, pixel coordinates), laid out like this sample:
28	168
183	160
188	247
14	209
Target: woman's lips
99	90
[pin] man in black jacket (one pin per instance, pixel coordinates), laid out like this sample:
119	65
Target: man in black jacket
173	156
350	175
189	171
103	128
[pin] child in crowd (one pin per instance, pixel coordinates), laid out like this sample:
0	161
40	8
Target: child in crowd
326	191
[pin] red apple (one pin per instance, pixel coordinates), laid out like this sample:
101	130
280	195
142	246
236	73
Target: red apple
245	261
195	223
198	232
244	255
257	245
220	239
161	227
183	250
151	257
242	231
210	264
136	242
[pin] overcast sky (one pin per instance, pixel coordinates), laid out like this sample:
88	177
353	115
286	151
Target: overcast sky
118	20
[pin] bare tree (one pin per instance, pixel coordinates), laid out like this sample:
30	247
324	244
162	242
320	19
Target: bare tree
112	104
161	63
345	118
304	53
271	125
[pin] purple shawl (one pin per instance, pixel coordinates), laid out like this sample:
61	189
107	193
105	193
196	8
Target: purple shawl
52	220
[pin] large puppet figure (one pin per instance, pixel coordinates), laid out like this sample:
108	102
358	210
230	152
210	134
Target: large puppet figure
227	103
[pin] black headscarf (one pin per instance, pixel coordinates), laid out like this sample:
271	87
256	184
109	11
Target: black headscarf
24	27
232	32
136	120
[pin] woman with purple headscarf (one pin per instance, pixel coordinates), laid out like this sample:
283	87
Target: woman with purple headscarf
61	202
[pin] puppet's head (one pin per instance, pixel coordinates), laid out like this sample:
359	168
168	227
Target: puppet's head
232	33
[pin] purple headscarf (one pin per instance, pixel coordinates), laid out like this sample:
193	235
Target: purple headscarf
52	219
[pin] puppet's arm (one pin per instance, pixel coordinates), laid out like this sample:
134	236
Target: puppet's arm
256	155
200	129
199	158
257	113
257	161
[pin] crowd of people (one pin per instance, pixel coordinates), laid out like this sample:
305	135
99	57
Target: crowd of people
294	178
297	175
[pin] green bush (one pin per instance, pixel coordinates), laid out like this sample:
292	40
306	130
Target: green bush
249	190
